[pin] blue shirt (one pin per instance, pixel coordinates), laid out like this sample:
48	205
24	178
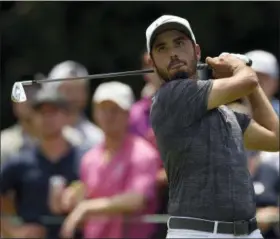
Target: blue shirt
267	185
28	174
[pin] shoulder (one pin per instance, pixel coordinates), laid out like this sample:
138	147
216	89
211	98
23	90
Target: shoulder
15	129
93	131
72	135
142	148
21	158
139	107
90	125
89	156
270	158
11	136
80	150
140	104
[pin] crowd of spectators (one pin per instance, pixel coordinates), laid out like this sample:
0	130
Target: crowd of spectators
99	179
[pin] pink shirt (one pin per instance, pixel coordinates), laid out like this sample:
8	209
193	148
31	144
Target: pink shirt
140	118
139	122
133	168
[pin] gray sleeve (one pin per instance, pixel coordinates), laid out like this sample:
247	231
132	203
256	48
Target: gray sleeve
243	120
187	100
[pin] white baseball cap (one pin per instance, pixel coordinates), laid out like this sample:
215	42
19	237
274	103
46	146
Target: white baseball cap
167	22
264	62
68	69
114	91
65	69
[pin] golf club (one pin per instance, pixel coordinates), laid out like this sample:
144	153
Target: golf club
19	95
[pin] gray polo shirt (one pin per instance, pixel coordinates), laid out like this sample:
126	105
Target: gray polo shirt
203	153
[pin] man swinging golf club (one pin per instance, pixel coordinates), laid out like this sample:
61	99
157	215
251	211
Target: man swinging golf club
201	140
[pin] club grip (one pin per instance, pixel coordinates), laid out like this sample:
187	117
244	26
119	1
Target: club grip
247	61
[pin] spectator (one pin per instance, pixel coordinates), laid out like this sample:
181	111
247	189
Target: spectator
265	179
140	125
22	135
19	136
119	175
270	158
29	173
139	114
266	66
77	93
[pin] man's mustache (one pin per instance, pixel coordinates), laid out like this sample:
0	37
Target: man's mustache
176	62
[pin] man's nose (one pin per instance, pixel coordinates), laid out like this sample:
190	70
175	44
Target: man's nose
174	56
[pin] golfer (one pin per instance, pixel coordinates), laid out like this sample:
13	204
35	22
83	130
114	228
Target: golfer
201	140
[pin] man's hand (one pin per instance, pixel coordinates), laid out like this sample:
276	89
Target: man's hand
226	65
266	217
73	220
72	196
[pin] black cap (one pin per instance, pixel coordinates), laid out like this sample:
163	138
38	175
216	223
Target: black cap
53	97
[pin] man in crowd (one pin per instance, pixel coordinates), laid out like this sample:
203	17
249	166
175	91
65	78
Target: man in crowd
21	135
139	119
38	175
140	125
266	66
14	139
77	93
119	175
265	179
140	111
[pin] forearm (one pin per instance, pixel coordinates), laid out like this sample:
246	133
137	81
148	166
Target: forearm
263	112
6	227
227	90
120	204
266	217
7	210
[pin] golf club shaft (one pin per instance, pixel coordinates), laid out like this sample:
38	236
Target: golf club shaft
101	76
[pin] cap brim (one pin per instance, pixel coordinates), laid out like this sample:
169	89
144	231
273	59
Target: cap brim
103	99
59	104
169	26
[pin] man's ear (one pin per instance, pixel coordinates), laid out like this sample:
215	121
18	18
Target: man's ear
151	62
197	52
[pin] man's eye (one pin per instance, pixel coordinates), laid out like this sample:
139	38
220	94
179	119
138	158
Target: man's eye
161	48
180	43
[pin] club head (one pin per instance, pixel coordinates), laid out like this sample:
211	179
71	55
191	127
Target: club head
18	93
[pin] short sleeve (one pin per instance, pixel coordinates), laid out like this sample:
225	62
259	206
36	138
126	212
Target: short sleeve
10	171
187	99
142	175
243	120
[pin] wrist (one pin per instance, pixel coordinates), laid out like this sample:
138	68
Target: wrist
239	69
255	92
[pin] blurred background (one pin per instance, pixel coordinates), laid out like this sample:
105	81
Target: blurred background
110	36
103	37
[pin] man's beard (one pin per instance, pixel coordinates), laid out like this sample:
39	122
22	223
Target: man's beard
178	75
